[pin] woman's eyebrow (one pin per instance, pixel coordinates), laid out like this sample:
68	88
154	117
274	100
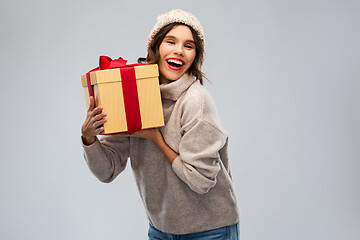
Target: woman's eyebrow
173	37
170	36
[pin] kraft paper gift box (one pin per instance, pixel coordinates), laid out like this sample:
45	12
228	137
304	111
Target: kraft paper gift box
129	94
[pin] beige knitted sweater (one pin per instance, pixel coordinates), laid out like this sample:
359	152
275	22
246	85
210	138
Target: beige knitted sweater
196	192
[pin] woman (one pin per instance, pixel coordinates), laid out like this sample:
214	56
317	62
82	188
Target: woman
182	169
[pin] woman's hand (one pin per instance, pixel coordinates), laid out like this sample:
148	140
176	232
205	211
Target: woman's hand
93	124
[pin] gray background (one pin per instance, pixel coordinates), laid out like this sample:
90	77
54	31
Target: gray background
285	78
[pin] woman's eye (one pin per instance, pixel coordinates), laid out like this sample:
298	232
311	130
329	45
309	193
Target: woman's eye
170	42
189	46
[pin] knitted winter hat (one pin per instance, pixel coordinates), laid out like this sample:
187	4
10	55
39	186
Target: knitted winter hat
180	16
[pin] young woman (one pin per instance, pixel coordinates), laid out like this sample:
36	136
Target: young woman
182	169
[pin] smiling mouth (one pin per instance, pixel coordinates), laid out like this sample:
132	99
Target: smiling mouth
175	64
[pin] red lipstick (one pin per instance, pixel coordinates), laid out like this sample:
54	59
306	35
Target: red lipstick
175	64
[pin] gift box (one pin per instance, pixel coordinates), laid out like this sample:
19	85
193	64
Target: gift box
129	94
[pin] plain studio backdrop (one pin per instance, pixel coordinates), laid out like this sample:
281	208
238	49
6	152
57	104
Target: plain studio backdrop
285	78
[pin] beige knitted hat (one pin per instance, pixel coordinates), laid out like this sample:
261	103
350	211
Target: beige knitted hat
180	16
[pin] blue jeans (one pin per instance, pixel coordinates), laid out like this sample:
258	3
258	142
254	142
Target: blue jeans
224	233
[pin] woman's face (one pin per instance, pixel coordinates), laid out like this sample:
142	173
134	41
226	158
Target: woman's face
177	53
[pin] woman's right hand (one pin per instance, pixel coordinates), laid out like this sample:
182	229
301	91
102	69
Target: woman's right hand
93	124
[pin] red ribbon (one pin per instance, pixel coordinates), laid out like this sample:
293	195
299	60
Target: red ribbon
128	81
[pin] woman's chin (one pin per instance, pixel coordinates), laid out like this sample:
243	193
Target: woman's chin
170	78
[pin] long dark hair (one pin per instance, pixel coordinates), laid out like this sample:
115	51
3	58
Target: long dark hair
153	55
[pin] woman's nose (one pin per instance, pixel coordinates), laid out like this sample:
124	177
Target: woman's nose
179	49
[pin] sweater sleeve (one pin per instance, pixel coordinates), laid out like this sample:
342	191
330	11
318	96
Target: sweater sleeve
198	161
107	157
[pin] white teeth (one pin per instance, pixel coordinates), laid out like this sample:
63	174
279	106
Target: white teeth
176	62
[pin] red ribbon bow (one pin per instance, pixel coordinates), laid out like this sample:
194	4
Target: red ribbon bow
106	62
128	81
